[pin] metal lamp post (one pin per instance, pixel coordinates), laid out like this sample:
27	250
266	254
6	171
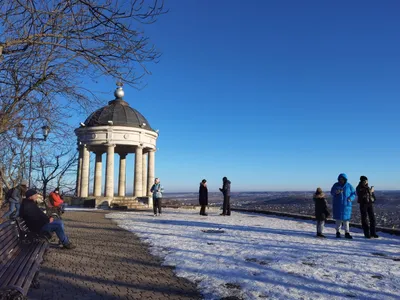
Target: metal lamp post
31	139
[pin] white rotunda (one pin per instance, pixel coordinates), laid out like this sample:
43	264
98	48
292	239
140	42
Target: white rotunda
116	129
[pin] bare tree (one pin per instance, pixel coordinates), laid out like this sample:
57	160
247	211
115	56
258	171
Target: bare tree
55	169
12	160
49	48
18	155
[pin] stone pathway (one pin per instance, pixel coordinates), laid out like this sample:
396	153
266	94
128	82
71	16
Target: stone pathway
108	263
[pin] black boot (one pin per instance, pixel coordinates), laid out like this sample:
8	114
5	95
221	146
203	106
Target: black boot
338	235
348	236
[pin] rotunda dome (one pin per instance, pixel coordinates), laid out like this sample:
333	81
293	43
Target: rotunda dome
118	113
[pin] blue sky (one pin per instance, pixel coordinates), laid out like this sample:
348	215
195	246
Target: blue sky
275	95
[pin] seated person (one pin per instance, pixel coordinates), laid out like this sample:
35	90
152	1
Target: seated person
38	222
55	199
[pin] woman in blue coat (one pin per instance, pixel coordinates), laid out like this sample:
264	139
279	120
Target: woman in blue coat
343	195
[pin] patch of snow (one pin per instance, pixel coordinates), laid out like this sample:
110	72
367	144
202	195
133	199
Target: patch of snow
254	256
72	208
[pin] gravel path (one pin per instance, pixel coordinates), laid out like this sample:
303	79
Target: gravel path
108	263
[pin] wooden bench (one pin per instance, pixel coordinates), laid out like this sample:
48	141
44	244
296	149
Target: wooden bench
21	253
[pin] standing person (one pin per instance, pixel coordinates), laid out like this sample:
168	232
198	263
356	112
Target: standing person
15	196
203	197
38	222
226	191
366	199
343	195
157	190
321	211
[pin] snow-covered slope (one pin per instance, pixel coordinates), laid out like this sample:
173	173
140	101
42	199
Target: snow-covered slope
253	256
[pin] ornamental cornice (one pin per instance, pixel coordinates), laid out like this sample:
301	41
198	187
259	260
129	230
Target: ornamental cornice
118	135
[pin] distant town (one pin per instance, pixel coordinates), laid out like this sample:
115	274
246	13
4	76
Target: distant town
387	205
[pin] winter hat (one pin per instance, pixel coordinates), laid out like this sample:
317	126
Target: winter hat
57	189
24	182
363	178
30	193
342	175
318	191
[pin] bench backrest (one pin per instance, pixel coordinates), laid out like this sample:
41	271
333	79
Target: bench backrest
9	239
20	256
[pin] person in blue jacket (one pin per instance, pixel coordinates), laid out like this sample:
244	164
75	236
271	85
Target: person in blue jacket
343	195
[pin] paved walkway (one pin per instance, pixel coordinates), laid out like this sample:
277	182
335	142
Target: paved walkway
108	263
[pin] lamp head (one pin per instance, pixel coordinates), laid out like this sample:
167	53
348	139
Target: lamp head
20	129
45	131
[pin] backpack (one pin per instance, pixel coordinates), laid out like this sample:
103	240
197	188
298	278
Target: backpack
8	195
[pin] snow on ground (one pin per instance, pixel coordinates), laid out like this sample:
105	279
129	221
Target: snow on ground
254	256
77	208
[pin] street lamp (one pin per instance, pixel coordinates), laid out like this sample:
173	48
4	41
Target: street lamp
19	128
31	139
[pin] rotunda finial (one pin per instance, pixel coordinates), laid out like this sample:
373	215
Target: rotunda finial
119	92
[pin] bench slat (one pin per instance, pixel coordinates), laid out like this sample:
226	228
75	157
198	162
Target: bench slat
8	239
7	232
14	259
8	248
19	262
30	265
35	267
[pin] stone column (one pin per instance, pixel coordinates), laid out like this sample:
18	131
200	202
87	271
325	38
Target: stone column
88	191
110	171
79	172
138	171
144	175
1	187
150	172
1	182
97	174
122	175
85	172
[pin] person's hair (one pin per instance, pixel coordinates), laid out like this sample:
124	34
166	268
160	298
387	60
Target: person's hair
203	181
23	189
319	191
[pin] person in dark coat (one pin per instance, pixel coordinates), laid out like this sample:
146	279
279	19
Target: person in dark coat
321	211
226	191
366	198
17	194
38	222
203	197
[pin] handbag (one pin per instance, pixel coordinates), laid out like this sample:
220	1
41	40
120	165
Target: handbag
158	195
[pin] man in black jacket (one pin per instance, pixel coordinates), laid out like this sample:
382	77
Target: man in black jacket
38	222
366	199
226	190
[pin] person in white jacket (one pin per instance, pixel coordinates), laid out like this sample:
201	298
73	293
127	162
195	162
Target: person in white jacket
157	191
